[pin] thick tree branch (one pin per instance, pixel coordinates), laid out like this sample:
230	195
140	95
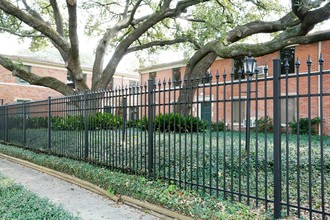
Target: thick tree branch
314	17
36	24
58	17
156	43
283	40
34	79
289	20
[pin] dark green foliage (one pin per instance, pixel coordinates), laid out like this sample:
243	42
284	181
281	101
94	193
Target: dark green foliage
37	122
95	122
218	126
181	124
19	203
104	121
15	122
265	124
303	125
31	122
69	122
170	123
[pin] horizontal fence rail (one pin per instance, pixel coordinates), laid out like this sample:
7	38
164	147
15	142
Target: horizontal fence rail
263	141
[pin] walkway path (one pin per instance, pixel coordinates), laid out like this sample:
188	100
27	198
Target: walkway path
75	199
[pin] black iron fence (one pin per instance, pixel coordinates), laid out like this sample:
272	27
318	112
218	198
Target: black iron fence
263	140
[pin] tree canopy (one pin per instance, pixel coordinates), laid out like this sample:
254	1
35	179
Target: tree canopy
205	28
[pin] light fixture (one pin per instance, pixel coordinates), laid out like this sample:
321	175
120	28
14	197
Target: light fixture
249	65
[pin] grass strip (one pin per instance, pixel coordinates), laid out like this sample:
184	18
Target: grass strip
17	203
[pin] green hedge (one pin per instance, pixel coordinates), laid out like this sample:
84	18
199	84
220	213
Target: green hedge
304	125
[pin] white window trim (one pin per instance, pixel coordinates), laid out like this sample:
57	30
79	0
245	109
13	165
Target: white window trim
295	112
236	98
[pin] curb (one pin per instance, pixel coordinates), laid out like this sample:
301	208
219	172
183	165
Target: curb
155	210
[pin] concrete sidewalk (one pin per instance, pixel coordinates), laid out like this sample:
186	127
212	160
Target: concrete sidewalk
75	199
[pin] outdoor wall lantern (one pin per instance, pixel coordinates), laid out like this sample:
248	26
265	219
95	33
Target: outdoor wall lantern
249	65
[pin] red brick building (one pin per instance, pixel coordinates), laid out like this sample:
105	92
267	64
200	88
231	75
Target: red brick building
13	89
263	83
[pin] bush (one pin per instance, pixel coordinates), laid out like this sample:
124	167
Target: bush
218	126
104	121
265	124
37	122
303	125
95	122
69	122
181	124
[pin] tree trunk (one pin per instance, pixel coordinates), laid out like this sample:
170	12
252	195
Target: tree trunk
190	83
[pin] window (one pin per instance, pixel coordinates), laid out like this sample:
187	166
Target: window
288	53
176	77
291	110
236	112
27	68
133	113
152	75
134	84
238	65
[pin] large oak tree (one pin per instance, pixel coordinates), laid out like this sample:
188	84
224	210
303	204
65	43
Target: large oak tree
125	26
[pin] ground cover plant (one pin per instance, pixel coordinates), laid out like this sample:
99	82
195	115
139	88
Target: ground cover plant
18	203
209	161
155	191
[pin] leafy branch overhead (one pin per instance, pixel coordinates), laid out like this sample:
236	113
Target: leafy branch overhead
204	29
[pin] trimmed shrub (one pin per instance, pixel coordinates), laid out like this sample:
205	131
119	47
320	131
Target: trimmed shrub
265	124
303	125
181	124
218	126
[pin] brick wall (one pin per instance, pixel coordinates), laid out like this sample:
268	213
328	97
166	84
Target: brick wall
287	86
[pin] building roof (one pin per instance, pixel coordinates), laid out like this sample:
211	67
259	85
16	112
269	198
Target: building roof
163	66
55	65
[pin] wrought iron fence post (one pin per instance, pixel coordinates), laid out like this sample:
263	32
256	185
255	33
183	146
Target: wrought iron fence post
6	123
86	123
49	123
150	128
277	138
24	123
124	118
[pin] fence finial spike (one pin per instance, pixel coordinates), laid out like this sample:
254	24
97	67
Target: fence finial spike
321	59
309	61
217	75
232	73
297	62
266	68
